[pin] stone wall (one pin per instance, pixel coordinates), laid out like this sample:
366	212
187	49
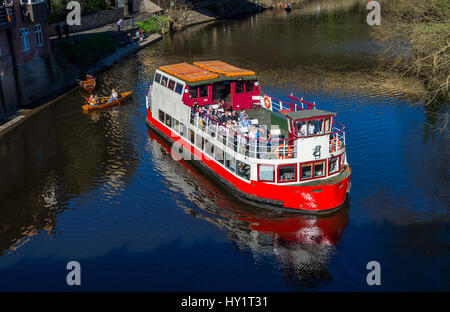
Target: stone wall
93	20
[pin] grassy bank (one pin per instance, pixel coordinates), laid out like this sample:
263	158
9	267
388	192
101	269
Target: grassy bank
155	24
85	51
416	37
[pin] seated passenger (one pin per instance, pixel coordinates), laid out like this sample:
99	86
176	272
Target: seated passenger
114	96
234	116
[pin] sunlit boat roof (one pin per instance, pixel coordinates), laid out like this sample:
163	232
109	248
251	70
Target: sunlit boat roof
207	71
309	113
224	68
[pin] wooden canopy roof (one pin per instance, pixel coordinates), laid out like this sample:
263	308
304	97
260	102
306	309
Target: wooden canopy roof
188	72
204	71
224	68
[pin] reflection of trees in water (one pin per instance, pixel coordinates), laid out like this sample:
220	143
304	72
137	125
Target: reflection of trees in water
301	244
59	154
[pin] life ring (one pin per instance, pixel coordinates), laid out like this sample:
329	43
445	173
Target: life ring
267	102
284	148
334	144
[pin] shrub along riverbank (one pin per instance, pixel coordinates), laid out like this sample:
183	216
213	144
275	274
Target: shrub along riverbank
156	24
416	39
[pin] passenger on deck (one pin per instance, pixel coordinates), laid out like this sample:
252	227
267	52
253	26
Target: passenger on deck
234	116
242	114
245	124
225	117
311	128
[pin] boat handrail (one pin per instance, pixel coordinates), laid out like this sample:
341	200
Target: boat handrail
278	104
241	143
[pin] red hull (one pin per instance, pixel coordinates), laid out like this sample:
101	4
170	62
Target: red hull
298	198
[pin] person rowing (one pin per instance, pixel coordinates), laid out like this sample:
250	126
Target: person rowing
113	96
93	99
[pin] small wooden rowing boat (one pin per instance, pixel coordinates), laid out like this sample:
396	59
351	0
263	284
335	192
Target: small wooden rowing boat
87	83
103	102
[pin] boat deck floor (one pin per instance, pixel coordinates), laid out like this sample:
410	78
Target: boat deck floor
269	120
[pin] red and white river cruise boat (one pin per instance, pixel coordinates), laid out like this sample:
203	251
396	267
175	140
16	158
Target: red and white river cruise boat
273	153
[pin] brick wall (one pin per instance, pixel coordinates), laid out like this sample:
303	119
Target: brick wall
93	20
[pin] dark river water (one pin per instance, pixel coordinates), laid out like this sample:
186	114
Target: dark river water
101	189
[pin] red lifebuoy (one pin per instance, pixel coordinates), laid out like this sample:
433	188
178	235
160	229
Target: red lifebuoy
267	103
284	148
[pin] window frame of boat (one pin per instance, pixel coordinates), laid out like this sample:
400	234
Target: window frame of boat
311	163
323	131
324	170
209	148
168	118
338	157
236	83
162	78
287	165
273	172
183	130
173	86
156	79
177	125
230	158
219	151
176	88
191	136
199	141
249	170
251	83
163	118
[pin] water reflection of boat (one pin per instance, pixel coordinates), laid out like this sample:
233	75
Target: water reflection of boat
301	244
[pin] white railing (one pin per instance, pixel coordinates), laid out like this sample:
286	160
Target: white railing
242	142
337	137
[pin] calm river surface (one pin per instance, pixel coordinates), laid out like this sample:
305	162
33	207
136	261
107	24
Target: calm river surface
103	190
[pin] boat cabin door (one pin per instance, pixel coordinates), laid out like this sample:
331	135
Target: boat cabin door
241	94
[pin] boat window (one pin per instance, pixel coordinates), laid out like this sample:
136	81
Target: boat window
239	86
333	165
199	141
161	116
302	128
319	169
311	127
203	91
158	78
209	148
182	130
168	120
249	86
193	92
221	91
219	155
171	85
287	173
177	125
319	124
230	162
179	88
243	170
266	173
192	136
164	81
327	125
306	171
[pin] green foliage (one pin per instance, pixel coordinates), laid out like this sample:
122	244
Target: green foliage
154	24
88	50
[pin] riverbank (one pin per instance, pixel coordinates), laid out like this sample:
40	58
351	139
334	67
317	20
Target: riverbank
16	118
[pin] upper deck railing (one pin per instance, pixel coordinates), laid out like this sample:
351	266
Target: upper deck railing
295	104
